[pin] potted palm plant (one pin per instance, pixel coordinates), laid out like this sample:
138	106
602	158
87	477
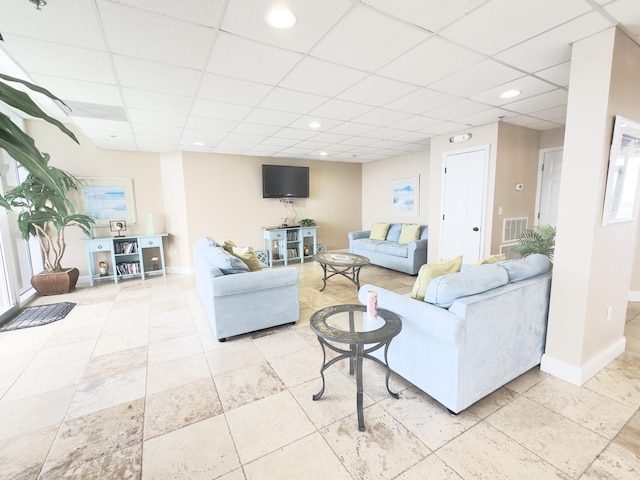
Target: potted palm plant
539	239
45	214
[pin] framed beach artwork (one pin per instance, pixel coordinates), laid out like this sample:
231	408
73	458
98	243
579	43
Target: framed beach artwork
405	196
623	174
107	199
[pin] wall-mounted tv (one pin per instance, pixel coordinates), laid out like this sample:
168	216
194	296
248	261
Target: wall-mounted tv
280	181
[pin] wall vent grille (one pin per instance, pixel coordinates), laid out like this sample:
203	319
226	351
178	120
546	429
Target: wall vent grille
512	228
508	251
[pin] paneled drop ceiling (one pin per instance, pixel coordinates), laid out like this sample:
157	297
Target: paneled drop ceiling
381	76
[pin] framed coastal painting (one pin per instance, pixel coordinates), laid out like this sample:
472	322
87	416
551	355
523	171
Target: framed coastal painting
405	196
623	174
107	199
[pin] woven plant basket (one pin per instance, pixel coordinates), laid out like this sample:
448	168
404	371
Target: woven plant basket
54	283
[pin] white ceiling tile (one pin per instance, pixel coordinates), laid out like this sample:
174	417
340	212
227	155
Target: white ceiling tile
432	15
421	100
213	109
155	77
382	117
102	125
244	138
352	128
257	129
522	120
303	123
288	100
258	62
295	133
558	74
416	123
157	130
455	110
151	36
232	90
553	47
160	102
215	124
628	11
487	116
511	22
367	40
313	19
486	74
529	86
207	136
153	117
323	78
445	128
539	102
79	90
203	12
430	61
58	60
384	133
550	113
377	91
271	117
71	22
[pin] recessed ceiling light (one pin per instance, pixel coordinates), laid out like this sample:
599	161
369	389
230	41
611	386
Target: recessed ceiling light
324	154
281	18
315	125
199	144
510	94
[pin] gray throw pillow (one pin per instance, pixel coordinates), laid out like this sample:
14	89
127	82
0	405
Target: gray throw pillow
226	262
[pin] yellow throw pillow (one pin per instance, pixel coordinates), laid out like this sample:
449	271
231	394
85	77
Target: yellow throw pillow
496	257
429	271
379	231
228	245
248	256
409	233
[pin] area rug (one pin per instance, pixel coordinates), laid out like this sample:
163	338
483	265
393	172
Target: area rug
38	315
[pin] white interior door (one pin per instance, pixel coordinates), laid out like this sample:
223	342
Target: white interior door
549	186
463	203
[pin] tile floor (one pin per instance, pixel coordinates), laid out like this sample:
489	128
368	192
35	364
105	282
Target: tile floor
132	384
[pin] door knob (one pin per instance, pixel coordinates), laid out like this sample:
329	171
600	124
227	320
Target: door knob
475	229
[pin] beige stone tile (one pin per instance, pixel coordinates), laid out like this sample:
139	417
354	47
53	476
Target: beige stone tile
629	435
374	379
108	392
116	342
484	452
13	365
5	383
169	330
429	421
103	366
26	340
492	402
247	385
34	413
174	349
121	464
178	407
558	440
616	463
45	380
298	367
527	380
280	343
585	407
22	457
309	457
200	451
619	381
235	475
384	450
63	354
184	370
337	402
430	468
77	330
124	322
234	356
264	426
90	437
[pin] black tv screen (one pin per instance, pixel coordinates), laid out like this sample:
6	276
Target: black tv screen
280	181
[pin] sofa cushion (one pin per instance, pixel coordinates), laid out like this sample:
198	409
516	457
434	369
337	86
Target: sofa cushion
429	271
424	232
248	256
367	244
393	235
495	258
446	289
392	248
409	233
206	242
379	231
527	267
226	262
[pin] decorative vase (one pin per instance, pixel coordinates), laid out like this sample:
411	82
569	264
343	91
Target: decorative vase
54	283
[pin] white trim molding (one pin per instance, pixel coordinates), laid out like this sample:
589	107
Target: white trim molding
634	296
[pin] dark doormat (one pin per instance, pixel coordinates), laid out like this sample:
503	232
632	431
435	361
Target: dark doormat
38	315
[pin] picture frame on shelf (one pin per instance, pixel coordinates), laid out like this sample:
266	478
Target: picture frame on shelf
104	199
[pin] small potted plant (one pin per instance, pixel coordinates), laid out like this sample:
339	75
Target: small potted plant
539	239
44	213
307	222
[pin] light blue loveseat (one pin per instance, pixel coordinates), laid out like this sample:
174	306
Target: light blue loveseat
388	253
476	330
238	301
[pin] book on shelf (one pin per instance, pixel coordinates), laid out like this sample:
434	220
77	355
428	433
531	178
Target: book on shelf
126	247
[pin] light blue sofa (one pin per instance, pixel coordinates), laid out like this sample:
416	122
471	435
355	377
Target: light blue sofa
388	253
238	301
476	330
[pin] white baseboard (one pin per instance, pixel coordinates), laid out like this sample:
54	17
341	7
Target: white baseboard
634	296
580	375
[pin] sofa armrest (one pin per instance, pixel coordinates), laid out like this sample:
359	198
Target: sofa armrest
415	245
361	234
251	282
427	318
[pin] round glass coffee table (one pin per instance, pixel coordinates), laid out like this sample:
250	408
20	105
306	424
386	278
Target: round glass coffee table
347	265
361	335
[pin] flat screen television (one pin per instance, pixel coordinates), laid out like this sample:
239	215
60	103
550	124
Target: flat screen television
279	181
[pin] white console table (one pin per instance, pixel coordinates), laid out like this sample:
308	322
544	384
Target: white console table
131	256
288	243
